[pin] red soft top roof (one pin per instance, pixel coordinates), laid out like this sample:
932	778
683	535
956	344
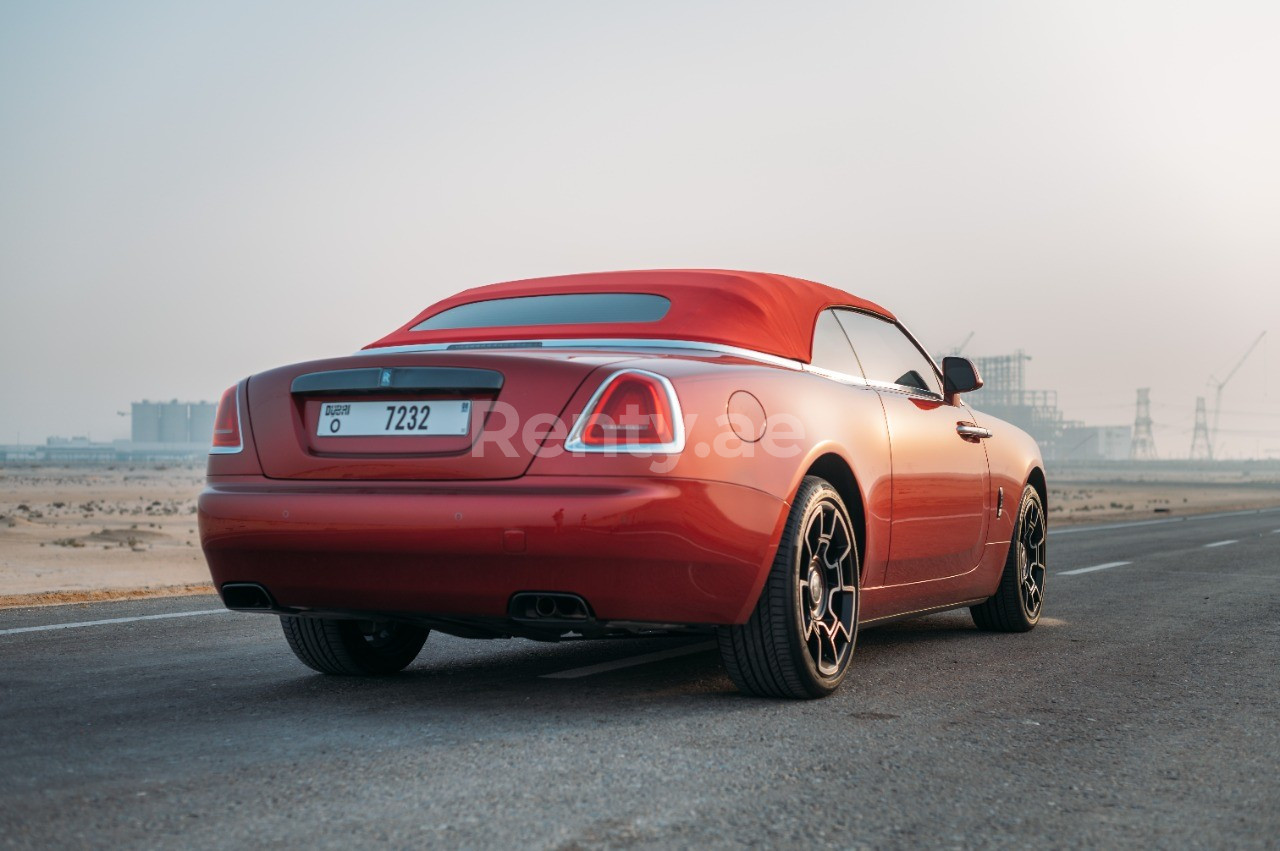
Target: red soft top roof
767	313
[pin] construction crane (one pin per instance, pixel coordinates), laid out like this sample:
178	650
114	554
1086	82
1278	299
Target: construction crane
960	348
1218	385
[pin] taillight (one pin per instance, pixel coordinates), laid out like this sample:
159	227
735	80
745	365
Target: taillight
632	411
226	424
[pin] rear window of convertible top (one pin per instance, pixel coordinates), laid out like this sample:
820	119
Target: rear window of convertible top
559	309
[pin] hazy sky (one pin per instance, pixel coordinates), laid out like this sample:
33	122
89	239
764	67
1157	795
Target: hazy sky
190	193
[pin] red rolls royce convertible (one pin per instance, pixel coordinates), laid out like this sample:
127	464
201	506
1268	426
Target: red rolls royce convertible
762	458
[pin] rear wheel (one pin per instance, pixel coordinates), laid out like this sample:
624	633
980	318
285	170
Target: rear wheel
800	638
1017	603
352	647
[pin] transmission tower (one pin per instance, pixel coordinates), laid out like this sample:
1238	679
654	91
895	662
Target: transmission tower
1201	446
1143	447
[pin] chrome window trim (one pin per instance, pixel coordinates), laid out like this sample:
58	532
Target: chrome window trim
835	375
858	381
574	443
680	345
937	370
239	447
590	343
905	389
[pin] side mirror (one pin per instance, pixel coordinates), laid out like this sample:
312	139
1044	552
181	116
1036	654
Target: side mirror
960	376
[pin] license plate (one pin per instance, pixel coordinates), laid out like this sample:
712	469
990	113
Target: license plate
436	418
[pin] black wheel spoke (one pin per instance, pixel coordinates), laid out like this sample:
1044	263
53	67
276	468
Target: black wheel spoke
827	586
800	638
1018	600
1031	559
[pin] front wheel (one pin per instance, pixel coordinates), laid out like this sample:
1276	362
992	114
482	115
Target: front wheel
352	647
1017	603
800	638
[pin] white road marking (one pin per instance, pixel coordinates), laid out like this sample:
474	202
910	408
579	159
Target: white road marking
1221	543
77	625
687	650
1221	573
1106	566
1108	526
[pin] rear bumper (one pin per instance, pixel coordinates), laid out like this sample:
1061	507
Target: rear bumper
645	550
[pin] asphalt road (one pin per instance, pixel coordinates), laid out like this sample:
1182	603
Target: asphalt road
1142	711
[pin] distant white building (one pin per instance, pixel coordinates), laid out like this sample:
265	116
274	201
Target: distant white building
172	422
1095	443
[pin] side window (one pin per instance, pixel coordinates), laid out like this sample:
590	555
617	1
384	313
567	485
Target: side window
831	348
887	354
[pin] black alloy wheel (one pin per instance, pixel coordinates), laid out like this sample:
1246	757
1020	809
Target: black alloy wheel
801	636
1019	600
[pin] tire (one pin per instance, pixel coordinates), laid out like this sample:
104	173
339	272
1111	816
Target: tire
796	643
353	648
1019	600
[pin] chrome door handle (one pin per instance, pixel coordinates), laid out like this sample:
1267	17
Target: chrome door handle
971	431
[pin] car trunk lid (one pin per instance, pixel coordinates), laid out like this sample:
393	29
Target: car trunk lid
483	403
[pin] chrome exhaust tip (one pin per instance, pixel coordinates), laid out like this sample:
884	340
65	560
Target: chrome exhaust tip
246	597
549	607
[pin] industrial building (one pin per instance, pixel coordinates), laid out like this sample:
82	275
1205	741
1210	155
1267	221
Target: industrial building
1095	443
159	431
172	422
81	451
1004	394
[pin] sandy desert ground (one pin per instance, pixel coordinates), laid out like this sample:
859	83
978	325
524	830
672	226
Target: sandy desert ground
1123	492
99	533
83	534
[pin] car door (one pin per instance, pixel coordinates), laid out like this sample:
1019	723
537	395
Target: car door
940	477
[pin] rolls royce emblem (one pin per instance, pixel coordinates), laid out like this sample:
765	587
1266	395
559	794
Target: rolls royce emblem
385	380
